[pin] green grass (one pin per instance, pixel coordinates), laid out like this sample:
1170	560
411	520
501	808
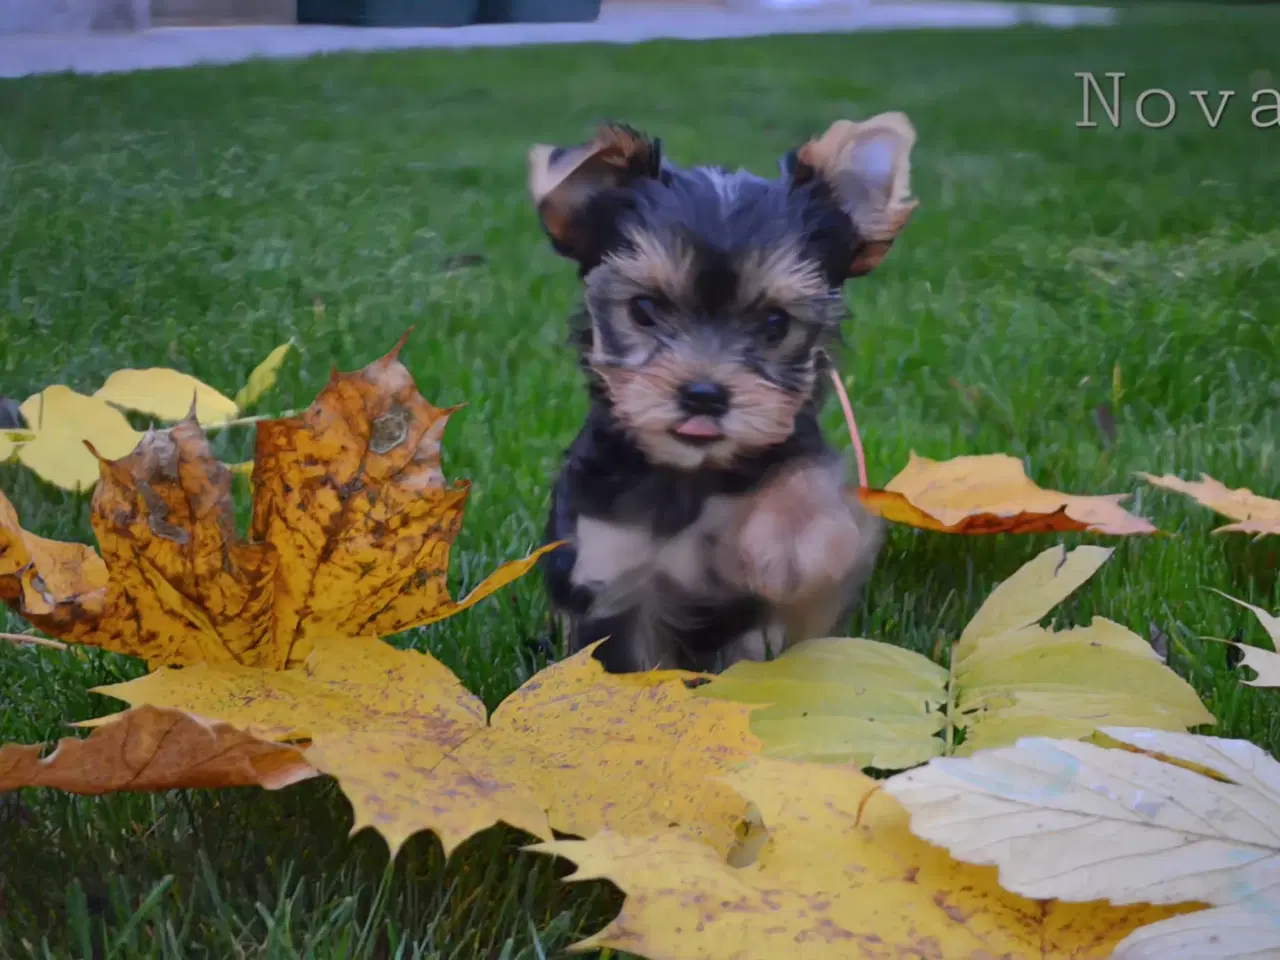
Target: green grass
197	218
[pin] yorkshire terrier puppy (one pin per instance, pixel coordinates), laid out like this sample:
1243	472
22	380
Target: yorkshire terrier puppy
705	517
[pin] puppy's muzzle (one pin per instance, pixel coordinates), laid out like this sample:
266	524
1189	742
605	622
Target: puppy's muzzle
704	402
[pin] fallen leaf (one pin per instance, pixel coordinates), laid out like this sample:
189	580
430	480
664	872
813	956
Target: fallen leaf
352	525
48	582
1081	822
166	394
836	700
838	874
992	494
63	420
182	586
351	495
1252	513
1263	662
263	377
574	748
152	749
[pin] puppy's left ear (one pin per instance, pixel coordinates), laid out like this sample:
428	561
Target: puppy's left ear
564	180
867	167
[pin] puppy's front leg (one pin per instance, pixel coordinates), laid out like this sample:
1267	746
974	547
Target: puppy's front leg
805	547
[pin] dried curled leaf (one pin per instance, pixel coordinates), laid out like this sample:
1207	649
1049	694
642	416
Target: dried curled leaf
838	875
351	530
48	582
837	700
154	749
1263	662
1252	513
1078	821
574	748
166	394
63	420
992	494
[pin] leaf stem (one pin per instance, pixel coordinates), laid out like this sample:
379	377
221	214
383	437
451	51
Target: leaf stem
853	429
23	638
950	745
246	421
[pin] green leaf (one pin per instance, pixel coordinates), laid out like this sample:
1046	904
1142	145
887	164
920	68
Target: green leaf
878	705
835	700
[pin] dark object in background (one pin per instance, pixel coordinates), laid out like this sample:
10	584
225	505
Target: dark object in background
1159	640
390	13
10	415
539	11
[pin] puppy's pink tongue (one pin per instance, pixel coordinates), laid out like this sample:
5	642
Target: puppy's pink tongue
703	428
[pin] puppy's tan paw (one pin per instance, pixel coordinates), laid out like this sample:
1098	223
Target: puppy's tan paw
784	565
799	536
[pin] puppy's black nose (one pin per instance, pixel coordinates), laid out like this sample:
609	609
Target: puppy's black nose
704	399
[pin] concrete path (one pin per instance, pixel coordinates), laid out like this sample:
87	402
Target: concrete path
619	22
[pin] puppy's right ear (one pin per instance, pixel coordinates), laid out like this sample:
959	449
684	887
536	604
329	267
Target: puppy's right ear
564	180
867	168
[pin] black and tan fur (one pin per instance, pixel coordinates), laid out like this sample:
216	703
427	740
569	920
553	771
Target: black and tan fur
704	514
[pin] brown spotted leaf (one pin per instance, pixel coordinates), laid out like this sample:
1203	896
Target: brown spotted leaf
574	748
837	874
351	530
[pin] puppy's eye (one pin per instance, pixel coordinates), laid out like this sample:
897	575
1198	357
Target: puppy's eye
644	311
776	326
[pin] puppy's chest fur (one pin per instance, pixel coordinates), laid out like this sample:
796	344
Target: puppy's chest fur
648	555
665	597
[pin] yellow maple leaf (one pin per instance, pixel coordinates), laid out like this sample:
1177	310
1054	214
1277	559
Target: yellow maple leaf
574	748
992	494
838	874
351	530
153	749
62	420
1252	513
1168	818
276	633
837	700
166	394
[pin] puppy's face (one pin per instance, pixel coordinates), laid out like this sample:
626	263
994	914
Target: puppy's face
710	295
707	323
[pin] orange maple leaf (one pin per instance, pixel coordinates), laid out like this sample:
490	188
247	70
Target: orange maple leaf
149	748
992	494
351	530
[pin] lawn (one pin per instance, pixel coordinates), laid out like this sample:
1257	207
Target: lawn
198	218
